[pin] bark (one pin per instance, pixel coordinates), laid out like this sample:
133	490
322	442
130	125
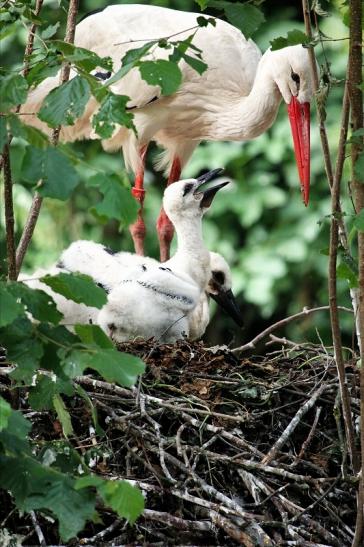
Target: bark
9	215
356	103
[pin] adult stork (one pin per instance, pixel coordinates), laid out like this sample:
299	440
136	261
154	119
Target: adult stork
235	99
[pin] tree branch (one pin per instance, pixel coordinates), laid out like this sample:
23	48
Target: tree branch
9	215
356	102
282	323
37	199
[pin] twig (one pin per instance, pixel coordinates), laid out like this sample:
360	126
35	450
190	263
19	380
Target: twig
293	424
31	36
332	282
176	522
9	215
37	199
307	442
305	312
38	530
28	230
318	500
101	535
156	400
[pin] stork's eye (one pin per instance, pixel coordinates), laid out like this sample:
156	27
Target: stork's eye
111	327
188	187
219	277
295	77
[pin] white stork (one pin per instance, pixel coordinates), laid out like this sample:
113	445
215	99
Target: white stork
235	99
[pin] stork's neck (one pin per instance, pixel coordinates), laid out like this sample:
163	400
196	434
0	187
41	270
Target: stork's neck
191	256
249	116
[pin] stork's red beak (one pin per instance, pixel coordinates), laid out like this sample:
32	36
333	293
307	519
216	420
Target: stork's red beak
299	117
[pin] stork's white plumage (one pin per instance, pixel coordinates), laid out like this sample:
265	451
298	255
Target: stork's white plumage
236	98
109	268
147	300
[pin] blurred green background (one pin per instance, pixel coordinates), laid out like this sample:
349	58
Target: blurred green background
274	245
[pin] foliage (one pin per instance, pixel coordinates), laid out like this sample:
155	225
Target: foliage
38	482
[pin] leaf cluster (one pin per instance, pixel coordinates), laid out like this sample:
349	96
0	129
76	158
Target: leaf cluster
47	358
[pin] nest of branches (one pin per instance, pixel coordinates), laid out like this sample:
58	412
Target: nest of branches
227	451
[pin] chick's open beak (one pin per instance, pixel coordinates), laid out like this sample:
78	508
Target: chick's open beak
209	194
227	302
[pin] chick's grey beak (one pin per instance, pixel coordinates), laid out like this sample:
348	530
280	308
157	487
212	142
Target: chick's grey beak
209	194
209	175
227	302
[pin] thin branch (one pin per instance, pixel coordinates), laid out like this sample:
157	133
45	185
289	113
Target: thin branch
305	312
37	199
293	424
332	284
30	41
38	530
9	215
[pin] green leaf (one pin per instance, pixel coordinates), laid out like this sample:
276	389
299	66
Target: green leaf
41	395
126	500
205	21
37	302
64	104
343	271
122	497
93	335
293	38
52	170
134	55
38	487
359	221
14	436
358	132
164	73
27	355
13	91
5	411
203	4
112	111
10	308
63	415
50	31
81	57
31	16
112	365
117	202
359	168
245	17
196	64
43	67
77	287
32	135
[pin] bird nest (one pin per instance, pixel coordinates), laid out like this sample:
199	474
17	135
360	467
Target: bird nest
227	450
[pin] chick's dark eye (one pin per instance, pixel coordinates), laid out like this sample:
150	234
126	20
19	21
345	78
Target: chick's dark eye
188	187
219	277
111	327
295	77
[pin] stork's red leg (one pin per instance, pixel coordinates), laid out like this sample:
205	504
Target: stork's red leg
137	229
164	225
